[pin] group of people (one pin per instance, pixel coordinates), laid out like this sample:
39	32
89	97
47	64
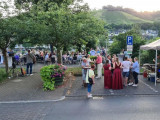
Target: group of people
73	57
116	74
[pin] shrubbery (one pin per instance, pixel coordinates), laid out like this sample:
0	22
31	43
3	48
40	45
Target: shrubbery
3	75
93	57
52	76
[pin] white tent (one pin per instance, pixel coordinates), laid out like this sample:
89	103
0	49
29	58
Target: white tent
152	46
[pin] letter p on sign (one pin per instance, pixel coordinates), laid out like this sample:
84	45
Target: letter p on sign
129	40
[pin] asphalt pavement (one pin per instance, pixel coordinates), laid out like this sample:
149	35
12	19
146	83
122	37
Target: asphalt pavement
98	108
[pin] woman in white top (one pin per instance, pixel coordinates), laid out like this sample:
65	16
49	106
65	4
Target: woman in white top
90	75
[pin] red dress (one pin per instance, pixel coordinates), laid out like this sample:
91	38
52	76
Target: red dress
117	78
107	77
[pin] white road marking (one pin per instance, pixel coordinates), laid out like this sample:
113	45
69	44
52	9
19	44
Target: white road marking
18	80
111	91
97	98
149	86
32	101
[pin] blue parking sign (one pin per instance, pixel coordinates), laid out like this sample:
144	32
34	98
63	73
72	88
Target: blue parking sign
129	40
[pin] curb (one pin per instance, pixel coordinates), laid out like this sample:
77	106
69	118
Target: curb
32	101
103	95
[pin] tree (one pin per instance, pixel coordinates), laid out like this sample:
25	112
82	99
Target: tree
120	42
62	26
103	41
88	30
8	27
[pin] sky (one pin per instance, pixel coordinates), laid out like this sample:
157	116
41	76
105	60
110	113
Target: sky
138	5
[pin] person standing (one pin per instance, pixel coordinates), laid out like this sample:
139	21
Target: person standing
92	52
135	69
103	52
126	54
89	60
85	63
99	66
158	65
117	78
109	58
114	56
107	75
113	61
53	58
91	76
29	57
126	67
47	59
130	78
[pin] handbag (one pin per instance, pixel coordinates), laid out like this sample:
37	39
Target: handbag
23	71
90	79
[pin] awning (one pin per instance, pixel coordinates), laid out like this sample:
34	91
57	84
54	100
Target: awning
151	46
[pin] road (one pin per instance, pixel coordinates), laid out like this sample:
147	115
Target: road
81	108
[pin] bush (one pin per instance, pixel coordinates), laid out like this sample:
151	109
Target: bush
52	76
93	57
3	75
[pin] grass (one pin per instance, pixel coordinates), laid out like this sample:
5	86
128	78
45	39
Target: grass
3	75
77	71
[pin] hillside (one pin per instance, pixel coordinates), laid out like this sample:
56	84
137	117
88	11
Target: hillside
119	17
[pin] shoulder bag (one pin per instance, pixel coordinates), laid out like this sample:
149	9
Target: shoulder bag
90	79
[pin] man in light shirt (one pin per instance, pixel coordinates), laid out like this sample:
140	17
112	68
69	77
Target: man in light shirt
99	66
126	67
93	52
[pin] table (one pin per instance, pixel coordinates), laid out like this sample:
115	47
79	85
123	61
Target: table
149	66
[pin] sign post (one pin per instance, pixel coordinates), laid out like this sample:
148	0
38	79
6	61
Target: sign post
129	44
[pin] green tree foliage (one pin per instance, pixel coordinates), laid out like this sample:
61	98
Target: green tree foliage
9	28
88	30
147	56
103	41
157	26
62	26
28	4
120	42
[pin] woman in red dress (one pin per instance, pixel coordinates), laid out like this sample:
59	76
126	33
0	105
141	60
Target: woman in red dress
117	77
107	75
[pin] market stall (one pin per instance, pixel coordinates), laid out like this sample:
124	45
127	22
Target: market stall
153	46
